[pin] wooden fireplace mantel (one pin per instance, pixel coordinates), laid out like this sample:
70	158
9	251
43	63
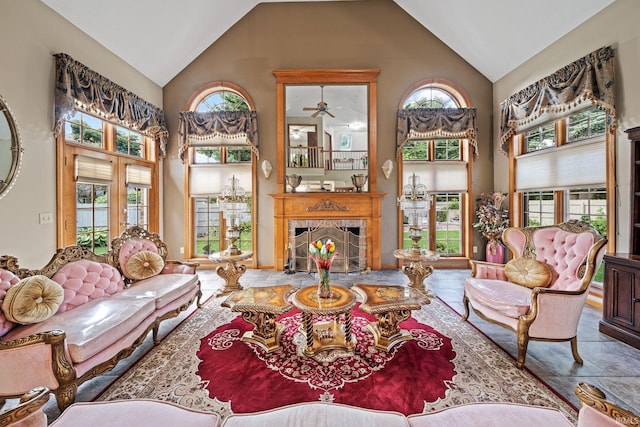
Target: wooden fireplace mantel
296	206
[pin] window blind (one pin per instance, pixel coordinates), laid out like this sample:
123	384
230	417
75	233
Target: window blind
209	180
91	169
439	177
138	176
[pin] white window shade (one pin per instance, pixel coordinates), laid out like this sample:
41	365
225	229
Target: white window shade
209	179
439	177
90	169
138	176
567	166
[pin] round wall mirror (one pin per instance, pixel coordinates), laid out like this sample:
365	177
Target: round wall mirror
10	149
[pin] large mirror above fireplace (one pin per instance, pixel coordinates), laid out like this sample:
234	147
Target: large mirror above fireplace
326	129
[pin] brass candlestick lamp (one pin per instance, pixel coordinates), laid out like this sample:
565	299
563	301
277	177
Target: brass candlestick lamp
234	209
415	203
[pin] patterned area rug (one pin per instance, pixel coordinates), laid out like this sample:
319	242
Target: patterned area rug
402	379
483	371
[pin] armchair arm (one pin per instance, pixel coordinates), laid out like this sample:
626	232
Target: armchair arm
554	313
487	270
29	411
597	411
172	266
39	359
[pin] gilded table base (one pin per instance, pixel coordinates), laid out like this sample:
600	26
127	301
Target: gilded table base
386	331
416	272
266	332
231	273
328	336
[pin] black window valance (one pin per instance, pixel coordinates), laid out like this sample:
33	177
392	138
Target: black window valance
80	88
436	123
590	78
218	128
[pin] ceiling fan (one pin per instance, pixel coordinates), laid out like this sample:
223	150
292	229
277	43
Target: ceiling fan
322	107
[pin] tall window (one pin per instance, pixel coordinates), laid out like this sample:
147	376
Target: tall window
441	164
110	171
561	171
211	165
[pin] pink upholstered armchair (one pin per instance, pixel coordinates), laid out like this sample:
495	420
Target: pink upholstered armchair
540	293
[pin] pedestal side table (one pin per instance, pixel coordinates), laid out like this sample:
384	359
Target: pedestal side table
231	271
391	305
260	307
332	337
416	271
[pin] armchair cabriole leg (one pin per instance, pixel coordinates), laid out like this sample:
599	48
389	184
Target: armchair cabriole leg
63	370
465	302
574	350
199	297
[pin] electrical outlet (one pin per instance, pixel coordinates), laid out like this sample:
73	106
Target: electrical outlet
182	250
46	218
475	249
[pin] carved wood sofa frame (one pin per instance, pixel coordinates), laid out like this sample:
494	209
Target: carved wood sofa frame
62	367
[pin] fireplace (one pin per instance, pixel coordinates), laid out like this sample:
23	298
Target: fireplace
349	237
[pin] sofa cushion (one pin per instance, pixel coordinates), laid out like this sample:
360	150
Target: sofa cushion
85	280
505	297
130	248
318	414
94	326
32	300
528	272
7	279
144	264
163	288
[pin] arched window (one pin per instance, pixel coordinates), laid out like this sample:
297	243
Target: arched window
443	164
211	162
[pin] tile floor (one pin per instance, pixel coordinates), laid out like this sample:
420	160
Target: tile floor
609	364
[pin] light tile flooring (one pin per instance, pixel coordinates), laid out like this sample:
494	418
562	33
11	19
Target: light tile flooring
609	364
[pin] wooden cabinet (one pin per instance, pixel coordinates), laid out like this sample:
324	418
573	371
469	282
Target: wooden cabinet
621	305
634	136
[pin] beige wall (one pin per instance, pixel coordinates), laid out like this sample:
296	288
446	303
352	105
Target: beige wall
358	34
617	26
30	34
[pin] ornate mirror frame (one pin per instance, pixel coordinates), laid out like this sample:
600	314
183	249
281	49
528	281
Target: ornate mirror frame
10	149
319	77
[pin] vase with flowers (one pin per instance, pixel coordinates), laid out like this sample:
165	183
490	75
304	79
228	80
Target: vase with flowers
323	254
493	218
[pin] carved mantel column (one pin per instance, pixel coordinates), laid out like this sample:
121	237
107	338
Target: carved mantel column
305	206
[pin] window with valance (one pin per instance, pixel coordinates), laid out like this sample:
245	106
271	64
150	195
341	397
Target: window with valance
78	88
587	81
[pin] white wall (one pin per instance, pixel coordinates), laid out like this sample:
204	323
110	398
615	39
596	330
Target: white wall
616	26
30	33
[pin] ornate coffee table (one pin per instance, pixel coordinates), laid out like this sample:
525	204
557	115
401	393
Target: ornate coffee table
391	305
261	307
231	271
326	336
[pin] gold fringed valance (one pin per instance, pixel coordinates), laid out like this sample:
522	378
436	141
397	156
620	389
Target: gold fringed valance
590	78
436	123
221	128
80	88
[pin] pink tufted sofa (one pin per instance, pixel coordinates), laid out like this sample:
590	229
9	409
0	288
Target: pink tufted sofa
104	314
570	252
595	411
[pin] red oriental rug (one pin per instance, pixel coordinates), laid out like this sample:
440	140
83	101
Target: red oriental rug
413	372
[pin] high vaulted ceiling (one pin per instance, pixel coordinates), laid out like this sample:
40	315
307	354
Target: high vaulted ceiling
494	36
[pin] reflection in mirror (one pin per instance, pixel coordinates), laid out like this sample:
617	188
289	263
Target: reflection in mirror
327	135
10	149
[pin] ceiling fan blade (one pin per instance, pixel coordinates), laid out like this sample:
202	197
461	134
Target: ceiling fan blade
327	111
314	115
309	108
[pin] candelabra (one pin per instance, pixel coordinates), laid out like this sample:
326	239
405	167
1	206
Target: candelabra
234	209
415	203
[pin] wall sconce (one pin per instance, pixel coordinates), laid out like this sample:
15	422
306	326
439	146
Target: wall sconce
387	168
266	168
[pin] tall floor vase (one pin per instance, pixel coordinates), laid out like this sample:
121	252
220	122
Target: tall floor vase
494	252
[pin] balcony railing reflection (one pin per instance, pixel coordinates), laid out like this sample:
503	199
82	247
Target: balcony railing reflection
317	157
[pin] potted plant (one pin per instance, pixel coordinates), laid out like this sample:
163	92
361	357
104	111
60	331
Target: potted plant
493	218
